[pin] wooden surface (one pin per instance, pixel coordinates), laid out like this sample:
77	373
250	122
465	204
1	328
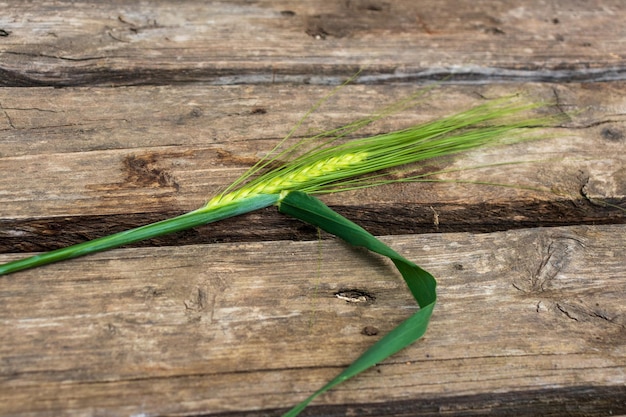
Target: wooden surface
164	103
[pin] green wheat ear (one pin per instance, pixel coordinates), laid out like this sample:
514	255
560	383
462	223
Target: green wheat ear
333	168
330	164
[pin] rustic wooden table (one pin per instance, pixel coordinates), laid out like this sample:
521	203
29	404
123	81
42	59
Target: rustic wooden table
116	114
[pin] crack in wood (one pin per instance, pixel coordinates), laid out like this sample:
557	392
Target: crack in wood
43	55
30	109
581	312
566	312
47	233
7	116
555	253
236	76
574	401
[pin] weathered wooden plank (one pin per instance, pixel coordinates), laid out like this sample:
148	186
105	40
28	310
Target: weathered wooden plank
81	163
68	43
529	322
206	329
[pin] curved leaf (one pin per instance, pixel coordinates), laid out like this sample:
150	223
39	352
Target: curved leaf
421	283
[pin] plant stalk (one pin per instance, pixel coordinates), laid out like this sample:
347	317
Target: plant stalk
185	221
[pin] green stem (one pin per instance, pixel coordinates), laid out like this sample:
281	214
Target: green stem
183	222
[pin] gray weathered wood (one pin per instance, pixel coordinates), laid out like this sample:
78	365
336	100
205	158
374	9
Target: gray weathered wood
65	43
213	328
165	102
152	152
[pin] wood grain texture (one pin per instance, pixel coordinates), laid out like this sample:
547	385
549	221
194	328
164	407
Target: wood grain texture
69	43
233	327
151	152
162	103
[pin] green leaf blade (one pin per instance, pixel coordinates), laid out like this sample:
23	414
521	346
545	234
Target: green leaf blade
420	282
186	221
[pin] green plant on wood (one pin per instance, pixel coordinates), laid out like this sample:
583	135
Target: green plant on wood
328	163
